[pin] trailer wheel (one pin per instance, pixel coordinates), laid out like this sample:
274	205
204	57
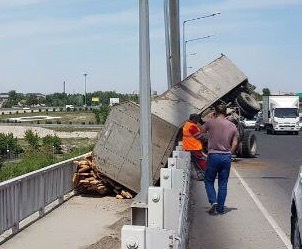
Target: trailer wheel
248	103
248	144
268	130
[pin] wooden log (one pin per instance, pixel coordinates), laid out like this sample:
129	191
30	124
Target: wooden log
90	179
75	179
94	174
119	197
82	162
93	166
126	194
94	182
85	181
102	190
84	174
84	168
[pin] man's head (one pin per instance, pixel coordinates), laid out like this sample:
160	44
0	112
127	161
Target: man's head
195	118
221	109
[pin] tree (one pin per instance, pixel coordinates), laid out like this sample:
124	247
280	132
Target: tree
9	144
32	139
97	116
13	99
266	91
32	99
104	112
52	141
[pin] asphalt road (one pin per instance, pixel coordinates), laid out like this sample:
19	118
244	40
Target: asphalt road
273	173
258	202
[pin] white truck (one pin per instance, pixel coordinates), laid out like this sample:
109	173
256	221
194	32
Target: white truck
281	114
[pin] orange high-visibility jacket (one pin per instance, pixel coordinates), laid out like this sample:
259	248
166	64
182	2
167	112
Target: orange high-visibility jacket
190	141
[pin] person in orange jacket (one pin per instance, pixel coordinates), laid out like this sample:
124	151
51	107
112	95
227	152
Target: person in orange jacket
191	141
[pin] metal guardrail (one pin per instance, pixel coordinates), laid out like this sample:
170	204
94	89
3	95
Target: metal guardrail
167	209
23	196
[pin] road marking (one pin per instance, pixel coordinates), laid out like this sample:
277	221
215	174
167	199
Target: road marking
269	218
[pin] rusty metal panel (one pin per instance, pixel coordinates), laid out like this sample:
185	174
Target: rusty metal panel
198	91
117	153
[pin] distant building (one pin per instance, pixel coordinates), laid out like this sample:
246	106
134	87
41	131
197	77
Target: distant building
114	101
38	95
3	98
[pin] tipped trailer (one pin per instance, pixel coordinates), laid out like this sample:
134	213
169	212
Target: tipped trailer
117	152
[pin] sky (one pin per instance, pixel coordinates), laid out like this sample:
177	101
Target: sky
46	42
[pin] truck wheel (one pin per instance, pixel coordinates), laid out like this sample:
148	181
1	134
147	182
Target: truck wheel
239	150
248	103
270	130
249	144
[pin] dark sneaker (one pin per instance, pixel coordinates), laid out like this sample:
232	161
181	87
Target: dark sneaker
212	209
200	177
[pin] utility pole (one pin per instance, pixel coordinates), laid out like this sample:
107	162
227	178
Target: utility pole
64	83
174	41
168	44
139	207
85	76
184	70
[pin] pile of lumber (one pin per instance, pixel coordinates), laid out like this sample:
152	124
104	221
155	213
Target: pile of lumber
88	180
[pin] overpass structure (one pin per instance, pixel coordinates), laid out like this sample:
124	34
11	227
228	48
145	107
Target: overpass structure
89	222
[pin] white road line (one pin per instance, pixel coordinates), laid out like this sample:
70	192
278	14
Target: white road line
269	218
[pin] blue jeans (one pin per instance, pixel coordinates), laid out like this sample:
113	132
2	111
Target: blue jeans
218	164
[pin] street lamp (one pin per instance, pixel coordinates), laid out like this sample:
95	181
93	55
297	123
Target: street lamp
85	75
185	53
184	39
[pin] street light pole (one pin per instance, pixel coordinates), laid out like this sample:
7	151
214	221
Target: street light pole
184	64
185	49
85	75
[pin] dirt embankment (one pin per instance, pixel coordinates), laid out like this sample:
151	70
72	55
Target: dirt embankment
19	132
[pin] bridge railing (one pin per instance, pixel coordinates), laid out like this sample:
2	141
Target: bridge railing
167	214
28	194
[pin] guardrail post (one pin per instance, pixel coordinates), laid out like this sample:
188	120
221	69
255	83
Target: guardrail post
167	209
156	207
15	228
61	185
134	237
42	195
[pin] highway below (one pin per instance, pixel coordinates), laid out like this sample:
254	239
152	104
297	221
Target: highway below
258	202
273	173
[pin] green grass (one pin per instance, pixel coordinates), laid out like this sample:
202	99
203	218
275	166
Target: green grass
28	164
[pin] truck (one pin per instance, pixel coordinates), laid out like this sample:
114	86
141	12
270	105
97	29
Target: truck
117	152
281	114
